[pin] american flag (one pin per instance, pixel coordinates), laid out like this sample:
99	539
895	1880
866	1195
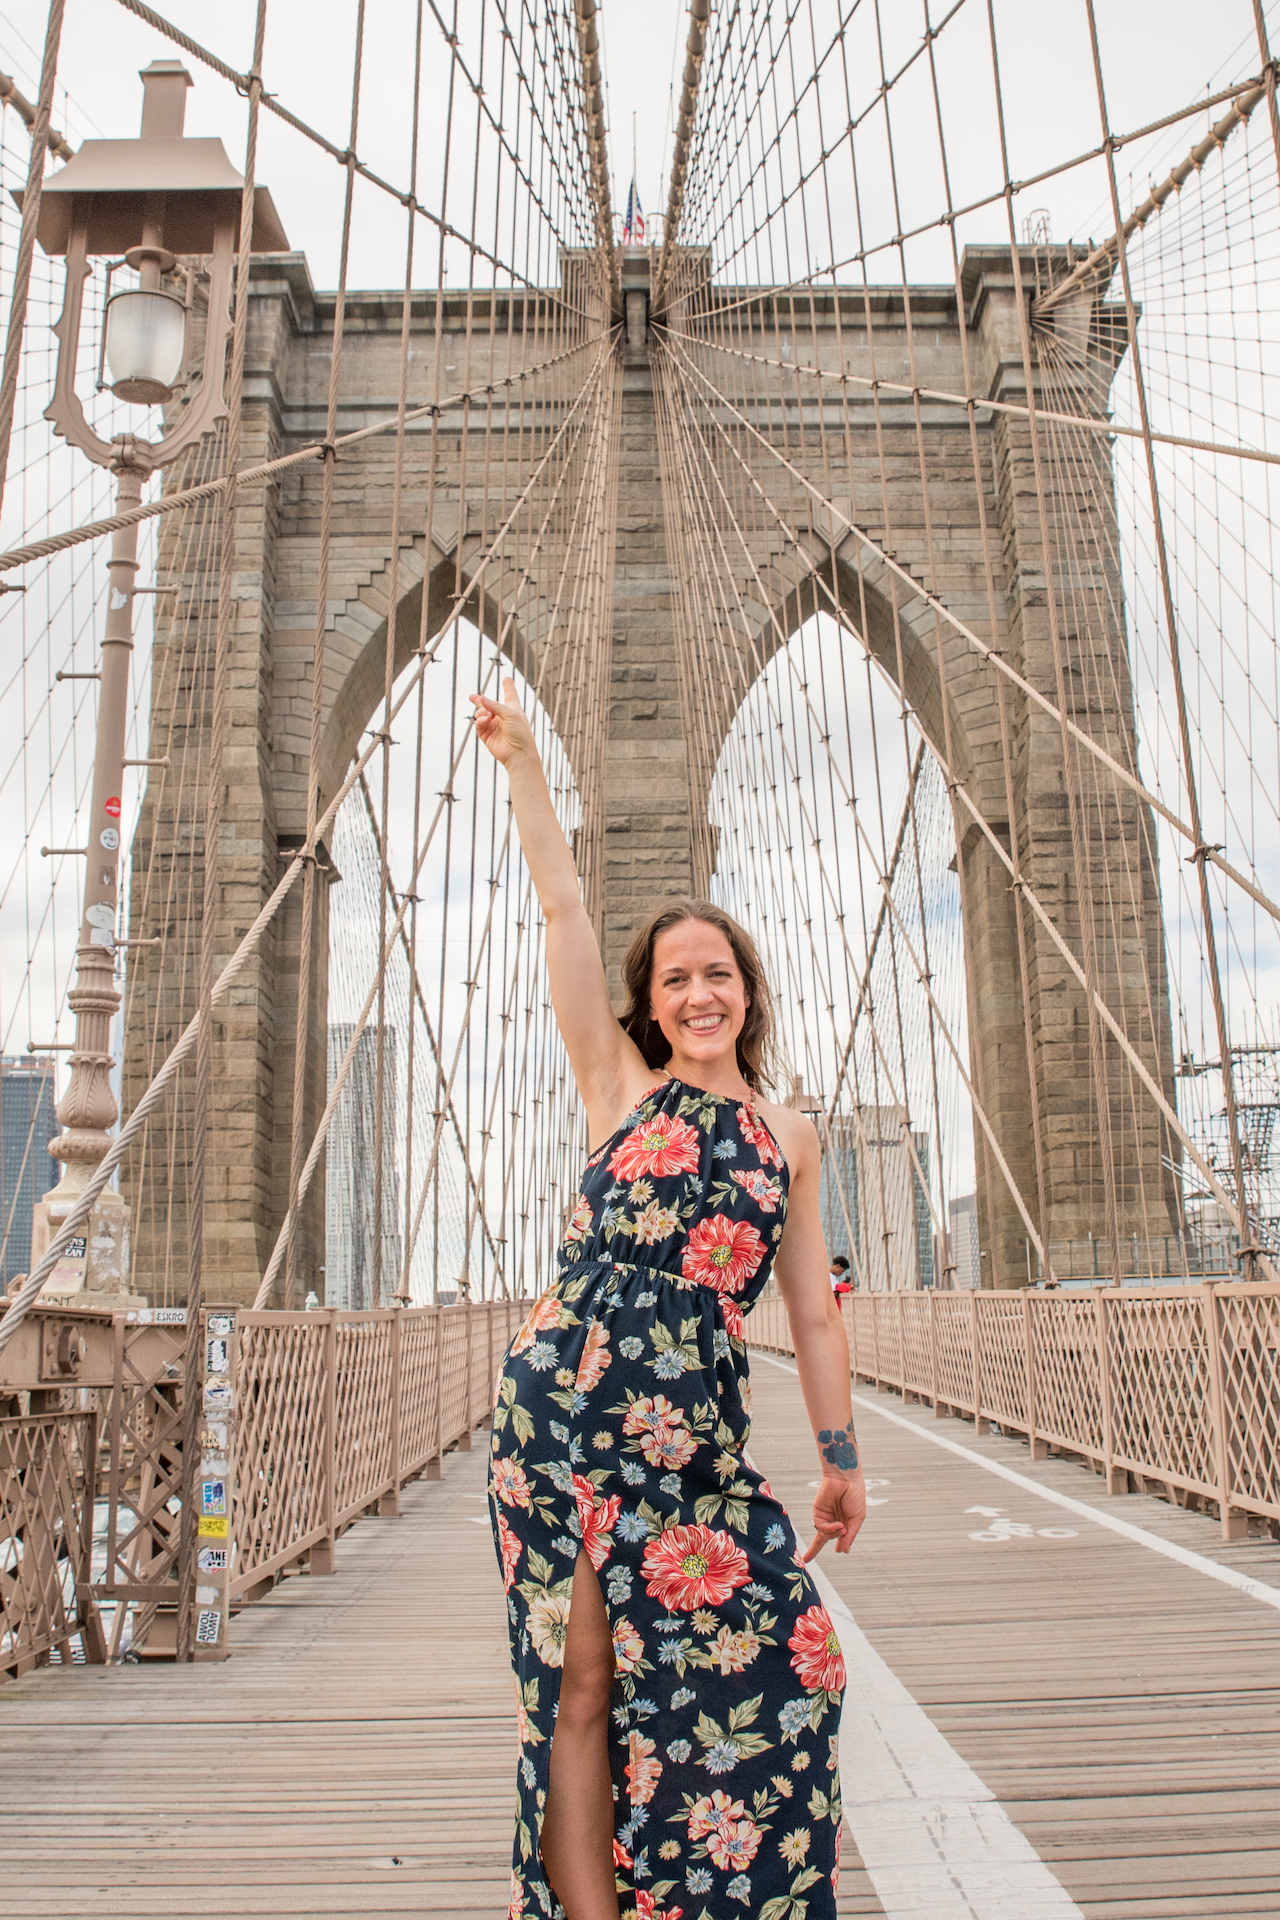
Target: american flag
633	225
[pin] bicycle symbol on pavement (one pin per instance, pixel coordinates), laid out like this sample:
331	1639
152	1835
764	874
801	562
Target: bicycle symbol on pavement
1001	1527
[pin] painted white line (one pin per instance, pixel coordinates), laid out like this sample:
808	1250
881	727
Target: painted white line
936	1843
1185	1556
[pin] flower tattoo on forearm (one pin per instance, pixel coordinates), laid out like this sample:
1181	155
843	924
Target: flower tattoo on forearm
839	1447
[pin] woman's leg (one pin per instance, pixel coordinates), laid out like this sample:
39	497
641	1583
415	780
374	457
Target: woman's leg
577	1827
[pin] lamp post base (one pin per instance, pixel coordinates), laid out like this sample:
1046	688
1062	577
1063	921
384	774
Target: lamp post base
93	1269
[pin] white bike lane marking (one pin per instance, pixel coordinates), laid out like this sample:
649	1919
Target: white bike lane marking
935	1841
1185	1556
1001	1527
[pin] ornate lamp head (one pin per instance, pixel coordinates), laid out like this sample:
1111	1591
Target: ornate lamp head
149	199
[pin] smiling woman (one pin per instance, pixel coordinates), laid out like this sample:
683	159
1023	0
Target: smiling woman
637	1543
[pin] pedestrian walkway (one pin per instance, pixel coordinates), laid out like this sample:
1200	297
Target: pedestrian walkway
1045	1717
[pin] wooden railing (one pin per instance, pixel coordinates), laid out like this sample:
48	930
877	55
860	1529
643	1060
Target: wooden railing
1179	1384
333	1412
309	1421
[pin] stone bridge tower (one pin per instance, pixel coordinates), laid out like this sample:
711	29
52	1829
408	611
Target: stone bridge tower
654	795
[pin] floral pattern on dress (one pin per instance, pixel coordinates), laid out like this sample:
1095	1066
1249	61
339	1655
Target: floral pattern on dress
619	1429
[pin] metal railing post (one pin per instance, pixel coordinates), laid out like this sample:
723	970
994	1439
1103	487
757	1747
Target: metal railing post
92	1637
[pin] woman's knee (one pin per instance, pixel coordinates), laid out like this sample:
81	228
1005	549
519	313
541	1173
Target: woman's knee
586	1683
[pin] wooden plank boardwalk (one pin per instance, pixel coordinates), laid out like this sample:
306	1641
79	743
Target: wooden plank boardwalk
355	1755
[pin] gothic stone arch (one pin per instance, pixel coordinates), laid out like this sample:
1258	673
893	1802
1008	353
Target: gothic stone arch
654	792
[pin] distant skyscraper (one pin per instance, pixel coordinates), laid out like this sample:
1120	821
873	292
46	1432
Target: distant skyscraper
350	1187
28	1123
965	1250
877	1197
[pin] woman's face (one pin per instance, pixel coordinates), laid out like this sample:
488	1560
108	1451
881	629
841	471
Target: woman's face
696	991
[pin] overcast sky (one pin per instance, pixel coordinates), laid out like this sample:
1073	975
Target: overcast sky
1156	58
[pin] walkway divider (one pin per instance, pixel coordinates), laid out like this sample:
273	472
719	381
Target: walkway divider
1174	1383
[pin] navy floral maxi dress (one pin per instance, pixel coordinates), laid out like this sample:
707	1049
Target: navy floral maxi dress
621	1418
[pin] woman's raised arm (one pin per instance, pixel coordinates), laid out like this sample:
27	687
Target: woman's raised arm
607	1065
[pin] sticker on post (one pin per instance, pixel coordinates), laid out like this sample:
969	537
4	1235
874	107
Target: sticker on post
217	1395
102	914
212	1527
208	1626
102	937
213	1437
212	1560
217	1357
112	806
213	1496
109	838
207	1596
221	1324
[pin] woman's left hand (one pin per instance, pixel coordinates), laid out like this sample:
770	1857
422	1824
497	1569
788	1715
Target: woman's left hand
839	1509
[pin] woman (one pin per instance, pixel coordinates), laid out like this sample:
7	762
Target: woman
678	1682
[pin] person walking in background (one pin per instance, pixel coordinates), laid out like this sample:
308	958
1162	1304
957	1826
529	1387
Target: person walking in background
840	1282
678	1681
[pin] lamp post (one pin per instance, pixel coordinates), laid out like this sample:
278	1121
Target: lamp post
150	199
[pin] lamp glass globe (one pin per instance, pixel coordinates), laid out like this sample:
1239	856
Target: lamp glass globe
146	337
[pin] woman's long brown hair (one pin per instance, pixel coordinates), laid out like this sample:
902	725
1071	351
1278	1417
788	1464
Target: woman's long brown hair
755	1042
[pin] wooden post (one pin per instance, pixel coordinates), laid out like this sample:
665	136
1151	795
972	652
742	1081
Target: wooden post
434	1467
939	1412
464	1438
875	1337
389	1502
322	1554
1039	1448
1235	1522
902	1346
1117	1478
979	1424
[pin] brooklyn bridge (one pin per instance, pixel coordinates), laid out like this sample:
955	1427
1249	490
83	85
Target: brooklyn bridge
852	426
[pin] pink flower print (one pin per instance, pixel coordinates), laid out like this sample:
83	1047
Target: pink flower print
766	1193
659	1146
756	1134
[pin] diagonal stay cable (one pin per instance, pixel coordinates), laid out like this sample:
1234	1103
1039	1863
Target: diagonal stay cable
970	638
268	469
21	1303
